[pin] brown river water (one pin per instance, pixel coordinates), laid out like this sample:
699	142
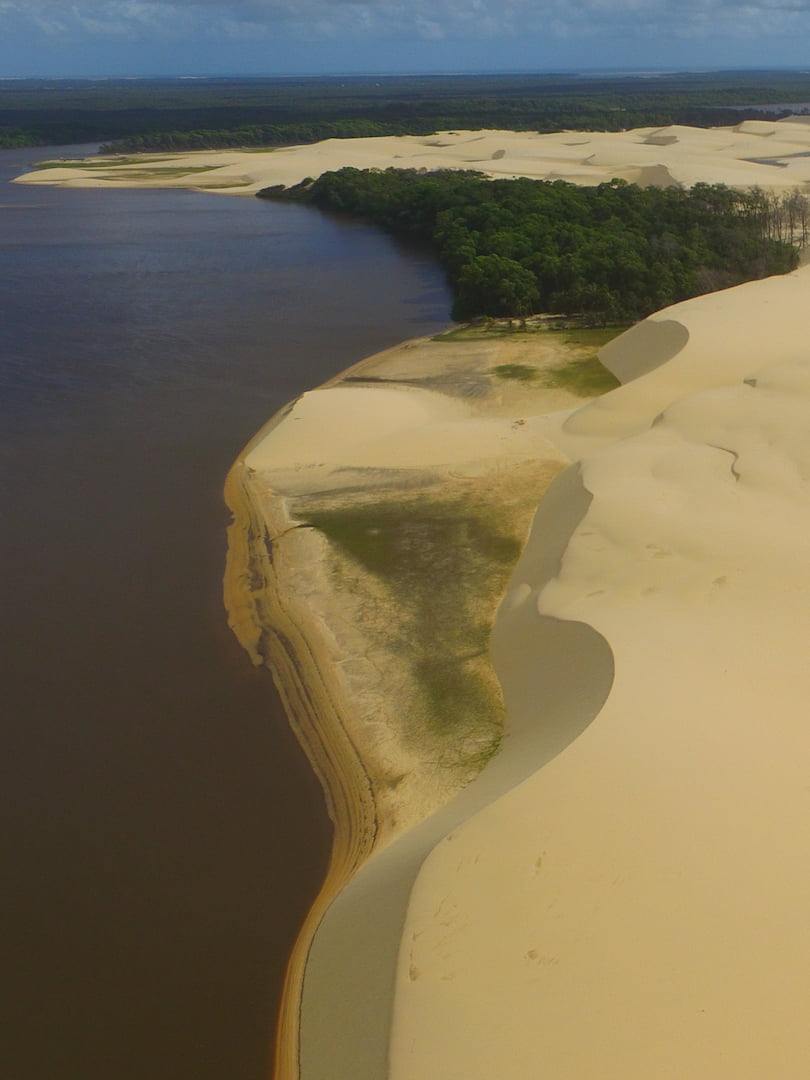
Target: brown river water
161	834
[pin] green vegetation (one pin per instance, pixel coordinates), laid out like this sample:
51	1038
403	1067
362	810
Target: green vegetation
481	330
182	114
584	376
609	254
594	337
519	372
167	172
410	545
403	541
96	163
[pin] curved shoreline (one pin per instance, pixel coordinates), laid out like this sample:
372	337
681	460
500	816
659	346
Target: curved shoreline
274	619
272	632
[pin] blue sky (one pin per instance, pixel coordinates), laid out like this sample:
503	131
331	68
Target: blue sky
175	37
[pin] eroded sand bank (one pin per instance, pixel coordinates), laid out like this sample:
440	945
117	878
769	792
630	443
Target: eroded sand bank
768	154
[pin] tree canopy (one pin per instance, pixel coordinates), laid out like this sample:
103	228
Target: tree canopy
179	114
611	253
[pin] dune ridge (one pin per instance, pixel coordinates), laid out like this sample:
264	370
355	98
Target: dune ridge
772	155
600	866
634	908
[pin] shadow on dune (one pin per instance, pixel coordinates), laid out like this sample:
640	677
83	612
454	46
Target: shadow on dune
556	676
643	347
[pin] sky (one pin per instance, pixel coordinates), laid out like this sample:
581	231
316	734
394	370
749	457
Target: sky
285	37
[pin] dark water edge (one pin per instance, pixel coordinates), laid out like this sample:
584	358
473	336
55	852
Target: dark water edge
162	834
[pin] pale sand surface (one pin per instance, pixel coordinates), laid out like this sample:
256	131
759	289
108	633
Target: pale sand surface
637	907
431	427
772	155
622	891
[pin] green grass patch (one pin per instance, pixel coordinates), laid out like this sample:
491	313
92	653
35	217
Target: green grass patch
595	337
519	372
168	173
444	564
155	172
98	163
532	325
405	542
584	376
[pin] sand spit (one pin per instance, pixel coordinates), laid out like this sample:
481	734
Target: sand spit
621	891
429	457
771	155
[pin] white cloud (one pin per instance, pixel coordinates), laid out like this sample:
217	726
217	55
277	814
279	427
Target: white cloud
399	19
429	29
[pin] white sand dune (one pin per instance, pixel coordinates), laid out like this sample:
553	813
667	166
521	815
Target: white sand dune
637	906
622	891
772	155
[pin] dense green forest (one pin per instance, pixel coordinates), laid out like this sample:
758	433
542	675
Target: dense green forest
611	253
509	247
166	114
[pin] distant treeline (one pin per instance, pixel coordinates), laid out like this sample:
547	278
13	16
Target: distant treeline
527	116
261	135
612	253
169	114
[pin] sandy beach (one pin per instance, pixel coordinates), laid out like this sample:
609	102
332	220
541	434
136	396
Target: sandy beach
590	866
768	154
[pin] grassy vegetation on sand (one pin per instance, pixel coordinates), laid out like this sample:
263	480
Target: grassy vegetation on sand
435	558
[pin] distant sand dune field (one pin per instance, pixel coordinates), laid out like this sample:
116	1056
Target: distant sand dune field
772	155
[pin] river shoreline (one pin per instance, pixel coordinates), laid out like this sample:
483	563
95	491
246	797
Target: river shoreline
166	833
292	592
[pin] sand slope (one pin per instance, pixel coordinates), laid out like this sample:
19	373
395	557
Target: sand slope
637	907
772	155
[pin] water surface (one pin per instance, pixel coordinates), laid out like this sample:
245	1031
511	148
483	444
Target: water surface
162	834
